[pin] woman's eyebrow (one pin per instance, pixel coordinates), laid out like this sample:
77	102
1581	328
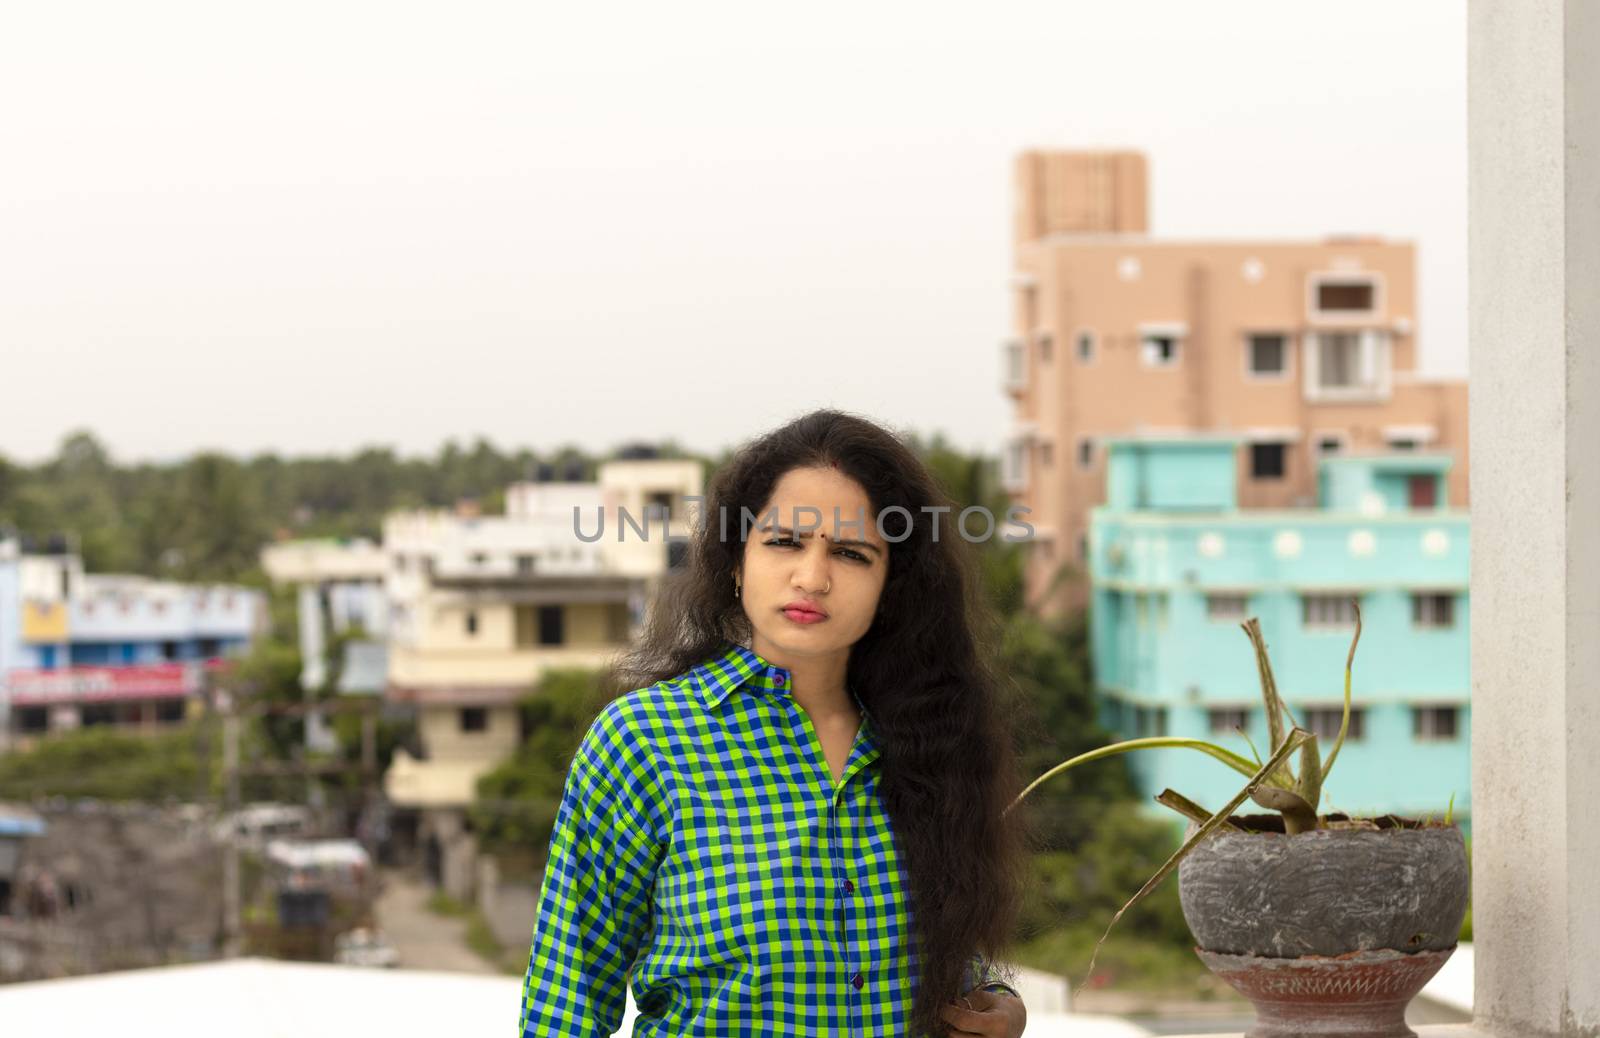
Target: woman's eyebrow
773	528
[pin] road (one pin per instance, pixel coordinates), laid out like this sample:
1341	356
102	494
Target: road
425	940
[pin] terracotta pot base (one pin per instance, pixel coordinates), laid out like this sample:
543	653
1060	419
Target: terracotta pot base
1357	995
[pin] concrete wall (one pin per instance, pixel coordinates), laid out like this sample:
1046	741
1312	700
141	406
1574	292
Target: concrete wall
1534	223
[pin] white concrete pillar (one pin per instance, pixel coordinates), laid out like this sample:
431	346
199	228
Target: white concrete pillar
1534	240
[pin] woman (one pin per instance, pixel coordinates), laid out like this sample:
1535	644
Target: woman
793	822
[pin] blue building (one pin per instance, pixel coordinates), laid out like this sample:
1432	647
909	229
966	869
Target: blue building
1176	566
80	649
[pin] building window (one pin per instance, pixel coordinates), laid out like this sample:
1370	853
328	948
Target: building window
1346	297
1328	444
1328	610
472	622
1227	720
1086	453
1149	721
30	720
210	648
1014	464
1047	454
169	711
1085	346
1046	347
480	558
1433	610
658	504
474	719
1158	349
1226	607
551	630
1083	548
1269	355
1434	723
1323	722
98	713
1268	460
525	564
1013	368
1347	363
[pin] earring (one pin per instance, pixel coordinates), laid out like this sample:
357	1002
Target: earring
736	588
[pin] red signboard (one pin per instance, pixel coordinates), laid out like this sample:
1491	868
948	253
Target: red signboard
100	684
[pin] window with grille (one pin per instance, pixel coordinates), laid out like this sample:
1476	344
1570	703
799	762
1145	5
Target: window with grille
1224	720
1324	723
1149	721
474	719
1268	460
1433	610
1434	723
1328	610
1226	607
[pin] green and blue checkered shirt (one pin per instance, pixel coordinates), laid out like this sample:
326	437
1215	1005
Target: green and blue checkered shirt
702	846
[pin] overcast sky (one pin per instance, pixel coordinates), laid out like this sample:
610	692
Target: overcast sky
309	227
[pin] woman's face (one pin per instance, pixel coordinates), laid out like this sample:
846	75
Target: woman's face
809	559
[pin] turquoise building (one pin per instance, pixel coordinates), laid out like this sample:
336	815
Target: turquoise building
1176	566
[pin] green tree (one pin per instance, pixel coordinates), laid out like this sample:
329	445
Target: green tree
517	801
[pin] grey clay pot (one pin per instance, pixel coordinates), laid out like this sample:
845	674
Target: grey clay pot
1326	892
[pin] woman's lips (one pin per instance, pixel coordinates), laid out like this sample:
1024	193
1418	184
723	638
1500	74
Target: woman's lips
804	616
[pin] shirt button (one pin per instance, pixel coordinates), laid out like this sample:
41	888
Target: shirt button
857	981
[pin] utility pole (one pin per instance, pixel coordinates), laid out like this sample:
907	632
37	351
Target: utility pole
230	855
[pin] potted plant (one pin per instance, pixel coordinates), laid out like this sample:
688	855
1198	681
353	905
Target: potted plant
1328	925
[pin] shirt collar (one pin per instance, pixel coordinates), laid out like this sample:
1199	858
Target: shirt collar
740	667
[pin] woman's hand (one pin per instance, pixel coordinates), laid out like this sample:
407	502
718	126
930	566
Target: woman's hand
994	1014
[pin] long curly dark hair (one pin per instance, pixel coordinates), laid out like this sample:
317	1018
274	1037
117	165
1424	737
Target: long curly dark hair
922	670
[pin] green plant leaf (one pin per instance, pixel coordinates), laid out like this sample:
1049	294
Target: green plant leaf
1344	723
1291	743
1188	808
1310	787
1277	710
1226	756
1253	751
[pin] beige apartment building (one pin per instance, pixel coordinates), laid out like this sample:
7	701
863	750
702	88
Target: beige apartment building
1302	348
468	611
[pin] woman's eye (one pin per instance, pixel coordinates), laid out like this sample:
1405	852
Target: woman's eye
790	542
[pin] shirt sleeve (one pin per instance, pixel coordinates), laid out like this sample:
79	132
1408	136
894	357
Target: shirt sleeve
595	898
